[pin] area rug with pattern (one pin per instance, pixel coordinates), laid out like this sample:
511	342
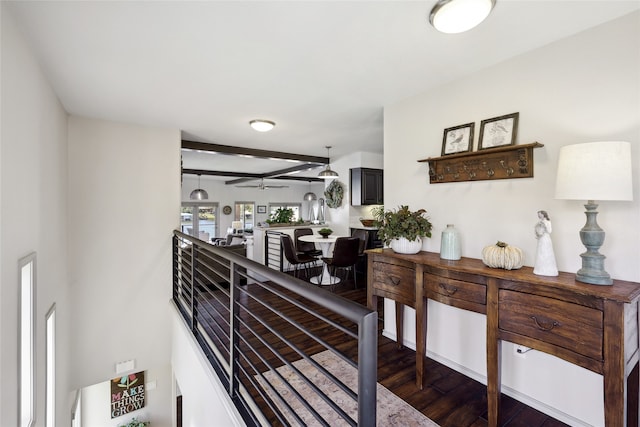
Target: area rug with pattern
391	410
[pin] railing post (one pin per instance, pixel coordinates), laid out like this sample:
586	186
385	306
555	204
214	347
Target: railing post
367	370
174	292
233	332
266	248
193	302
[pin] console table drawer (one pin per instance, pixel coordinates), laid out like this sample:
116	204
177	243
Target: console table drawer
395	279
455	289
563	324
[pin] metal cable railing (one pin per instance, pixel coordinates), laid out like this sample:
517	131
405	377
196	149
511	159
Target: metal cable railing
284	349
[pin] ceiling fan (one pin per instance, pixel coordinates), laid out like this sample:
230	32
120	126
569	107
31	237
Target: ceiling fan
262	186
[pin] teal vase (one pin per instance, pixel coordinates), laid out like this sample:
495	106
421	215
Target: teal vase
450	244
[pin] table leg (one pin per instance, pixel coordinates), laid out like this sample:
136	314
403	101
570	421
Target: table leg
615	381
494	354
325	278
421	326
399	324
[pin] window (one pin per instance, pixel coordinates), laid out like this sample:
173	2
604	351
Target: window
244	213
199	219
50	390
27	271
296	207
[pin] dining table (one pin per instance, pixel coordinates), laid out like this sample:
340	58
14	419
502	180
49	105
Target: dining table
325	244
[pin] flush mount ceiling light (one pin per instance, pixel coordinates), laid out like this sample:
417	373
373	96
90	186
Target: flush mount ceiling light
199	193
458	16
327	173
262	125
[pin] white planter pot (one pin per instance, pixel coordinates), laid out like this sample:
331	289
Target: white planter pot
404	246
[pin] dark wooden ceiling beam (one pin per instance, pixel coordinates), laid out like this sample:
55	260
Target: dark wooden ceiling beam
250	176
272	174
242	151
221	173
299	178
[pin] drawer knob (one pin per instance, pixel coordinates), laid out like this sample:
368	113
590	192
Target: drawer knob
543	327
449	290
394	280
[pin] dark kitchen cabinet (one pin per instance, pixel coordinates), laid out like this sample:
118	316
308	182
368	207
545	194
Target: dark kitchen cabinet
366	186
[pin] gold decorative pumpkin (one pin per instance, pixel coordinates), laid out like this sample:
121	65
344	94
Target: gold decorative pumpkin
501	255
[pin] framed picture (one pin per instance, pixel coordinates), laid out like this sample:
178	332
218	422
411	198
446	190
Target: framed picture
262	209
498	131
457	139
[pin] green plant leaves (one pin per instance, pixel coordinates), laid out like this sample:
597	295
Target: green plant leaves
402	222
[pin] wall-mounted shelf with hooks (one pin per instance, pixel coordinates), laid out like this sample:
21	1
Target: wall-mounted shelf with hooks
512	161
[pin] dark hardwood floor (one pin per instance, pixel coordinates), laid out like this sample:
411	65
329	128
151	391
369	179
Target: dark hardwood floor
448	398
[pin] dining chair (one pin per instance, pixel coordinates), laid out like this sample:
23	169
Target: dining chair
308	248
363	235
293	257
345	256
361	264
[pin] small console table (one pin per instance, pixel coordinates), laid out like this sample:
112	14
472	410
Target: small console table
595	327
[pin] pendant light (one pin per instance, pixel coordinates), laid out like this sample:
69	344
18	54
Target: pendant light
327	173
309	196
199	193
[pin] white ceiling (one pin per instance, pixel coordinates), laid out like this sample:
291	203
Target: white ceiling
322	70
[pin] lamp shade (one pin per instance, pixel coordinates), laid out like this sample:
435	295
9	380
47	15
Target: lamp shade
595	171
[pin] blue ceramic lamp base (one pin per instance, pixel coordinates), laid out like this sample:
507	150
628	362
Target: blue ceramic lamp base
592	237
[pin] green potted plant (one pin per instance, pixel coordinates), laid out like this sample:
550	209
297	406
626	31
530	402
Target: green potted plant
402	229
135	423
281	216
325	232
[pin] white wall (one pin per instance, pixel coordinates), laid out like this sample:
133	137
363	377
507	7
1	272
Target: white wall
346	216
203	396
584	88
123	204
32	217
229	194
96	400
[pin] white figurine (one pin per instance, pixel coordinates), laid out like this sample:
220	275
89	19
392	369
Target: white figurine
545	258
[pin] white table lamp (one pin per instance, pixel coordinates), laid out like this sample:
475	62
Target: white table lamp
594	171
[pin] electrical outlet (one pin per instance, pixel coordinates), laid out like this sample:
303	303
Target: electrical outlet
521	350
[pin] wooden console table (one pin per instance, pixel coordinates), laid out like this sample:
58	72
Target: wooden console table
595	327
